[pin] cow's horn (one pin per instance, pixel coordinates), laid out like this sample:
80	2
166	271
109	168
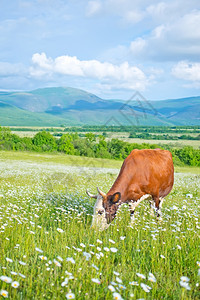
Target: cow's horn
100	192
90	195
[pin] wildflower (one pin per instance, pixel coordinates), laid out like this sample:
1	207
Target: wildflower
39	250
185	279
15	284
179	247
59	258
9	259
71	260
122	287
116	273
99	241
70	296
118	280
112	249
78	249
87	255
162	256
22	263
98	248
65	282
82	245
43	257
4	293
67	273
185	285
57	263
111	241
13	273
96	280
117	296
141	275
122	238
151	277
106	249
6	279
145	287
60	230
96	268
198	263
111	288
189	196
23	276
133	283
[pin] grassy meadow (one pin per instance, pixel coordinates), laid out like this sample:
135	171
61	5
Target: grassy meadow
49	251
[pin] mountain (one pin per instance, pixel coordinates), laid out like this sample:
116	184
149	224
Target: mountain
70	106
184	111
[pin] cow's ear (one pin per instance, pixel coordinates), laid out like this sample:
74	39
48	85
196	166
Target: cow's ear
116	197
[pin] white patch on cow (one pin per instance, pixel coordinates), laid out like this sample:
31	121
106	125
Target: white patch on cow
99	221
134	204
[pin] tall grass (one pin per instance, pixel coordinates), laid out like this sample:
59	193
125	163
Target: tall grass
47	245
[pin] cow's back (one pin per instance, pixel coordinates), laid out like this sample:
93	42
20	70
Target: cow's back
152	170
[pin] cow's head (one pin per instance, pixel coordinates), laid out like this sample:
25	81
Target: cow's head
99	217
110	204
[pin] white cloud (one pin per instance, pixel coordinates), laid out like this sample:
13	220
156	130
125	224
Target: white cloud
133	16
8	69
115	76
158	11
137	46
171	41
93	8
187	71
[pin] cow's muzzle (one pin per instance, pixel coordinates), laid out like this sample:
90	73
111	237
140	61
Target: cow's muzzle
110	217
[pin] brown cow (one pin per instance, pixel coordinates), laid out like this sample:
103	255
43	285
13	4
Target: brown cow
145	174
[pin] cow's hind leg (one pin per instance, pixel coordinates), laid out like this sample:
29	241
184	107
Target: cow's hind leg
158	205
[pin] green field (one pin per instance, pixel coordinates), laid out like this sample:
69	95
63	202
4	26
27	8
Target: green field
49	251
124	135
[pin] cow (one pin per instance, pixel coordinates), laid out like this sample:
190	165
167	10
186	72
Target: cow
145	174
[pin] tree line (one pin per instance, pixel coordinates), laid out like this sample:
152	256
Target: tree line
89	146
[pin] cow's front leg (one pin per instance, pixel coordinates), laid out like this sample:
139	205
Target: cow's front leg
132	210
152	206
133	204
159	212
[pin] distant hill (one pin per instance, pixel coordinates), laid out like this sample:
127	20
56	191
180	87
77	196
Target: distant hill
70	106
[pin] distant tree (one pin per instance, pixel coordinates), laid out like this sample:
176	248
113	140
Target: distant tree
44	141
65	144
90	137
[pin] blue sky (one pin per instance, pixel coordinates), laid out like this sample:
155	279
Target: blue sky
108	47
